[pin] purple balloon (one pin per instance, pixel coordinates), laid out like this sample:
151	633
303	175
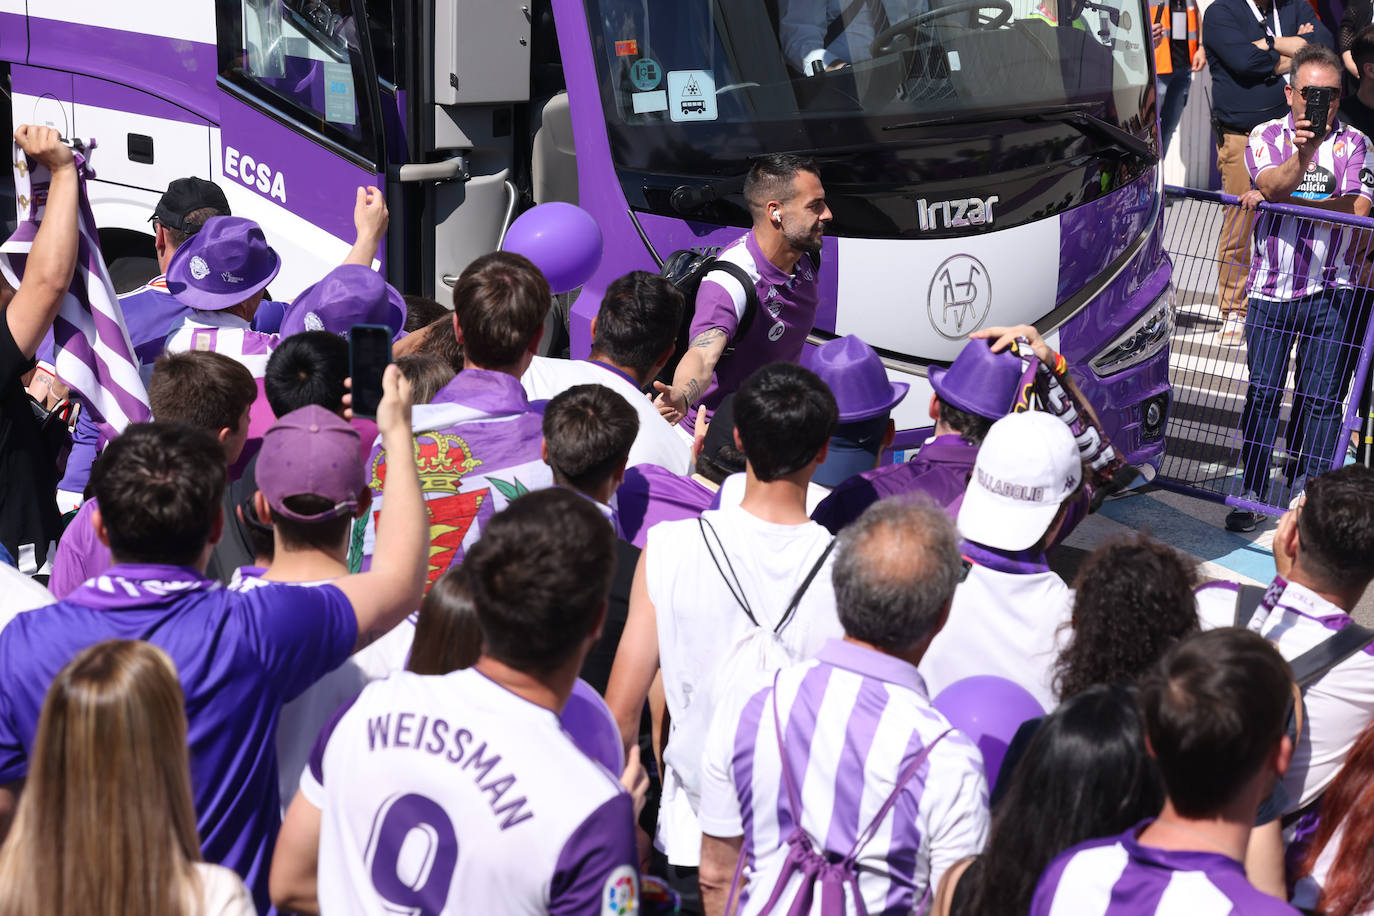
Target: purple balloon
588	721
988	710
561	239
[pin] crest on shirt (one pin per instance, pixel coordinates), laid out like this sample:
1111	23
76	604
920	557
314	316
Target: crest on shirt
442	461
1339	149
620	893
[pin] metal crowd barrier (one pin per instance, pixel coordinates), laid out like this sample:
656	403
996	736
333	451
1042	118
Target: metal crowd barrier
1217	442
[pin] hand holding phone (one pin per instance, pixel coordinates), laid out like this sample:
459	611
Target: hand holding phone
369	353
1318	108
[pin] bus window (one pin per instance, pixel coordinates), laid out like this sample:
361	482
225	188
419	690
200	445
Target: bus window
380	26
301	58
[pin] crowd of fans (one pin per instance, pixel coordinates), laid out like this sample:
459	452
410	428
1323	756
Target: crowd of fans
355	665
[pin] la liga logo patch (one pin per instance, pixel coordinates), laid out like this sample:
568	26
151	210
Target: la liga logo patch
620	893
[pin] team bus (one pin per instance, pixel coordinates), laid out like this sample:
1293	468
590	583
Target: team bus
987	162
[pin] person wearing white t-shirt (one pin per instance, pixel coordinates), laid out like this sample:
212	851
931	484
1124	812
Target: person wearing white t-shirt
633	337
1324	553
695	580
1009	611
461	793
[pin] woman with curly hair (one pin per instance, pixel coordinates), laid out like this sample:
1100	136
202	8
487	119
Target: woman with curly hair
1133	599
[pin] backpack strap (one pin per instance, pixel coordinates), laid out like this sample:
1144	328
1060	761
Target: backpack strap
732	580
1329	653
791	610
1248	598
751	295
906	776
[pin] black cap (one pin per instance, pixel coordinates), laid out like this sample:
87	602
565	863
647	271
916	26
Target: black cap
184	196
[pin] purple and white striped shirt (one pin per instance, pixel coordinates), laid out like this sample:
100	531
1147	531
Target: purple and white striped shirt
1118	876
1293	257
853	718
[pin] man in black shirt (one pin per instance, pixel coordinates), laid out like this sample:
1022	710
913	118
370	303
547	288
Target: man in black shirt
29	521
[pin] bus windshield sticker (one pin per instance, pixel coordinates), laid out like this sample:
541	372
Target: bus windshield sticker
647	102
339	104
646	74
691	95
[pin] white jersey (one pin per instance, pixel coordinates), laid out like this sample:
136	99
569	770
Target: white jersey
699	620
732	492
657	442
450	795
1338	705
302	718
1007	620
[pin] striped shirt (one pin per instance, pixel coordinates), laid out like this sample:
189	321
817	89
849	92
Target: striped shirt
1295	257
1118	876
853	718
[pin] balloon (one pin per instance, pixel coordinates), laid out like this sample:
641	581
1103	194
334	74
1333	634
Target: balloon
561	239
588	721
988	710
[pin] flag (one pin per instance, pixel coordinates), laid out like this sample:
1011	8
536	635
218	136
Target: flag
92	352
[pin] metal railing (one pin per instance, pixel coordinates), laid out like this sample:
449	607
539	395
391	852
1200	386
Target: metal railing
1250	422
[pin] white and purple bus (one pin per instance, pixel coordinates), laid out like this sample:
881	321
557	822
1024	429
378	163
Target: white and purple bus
987	161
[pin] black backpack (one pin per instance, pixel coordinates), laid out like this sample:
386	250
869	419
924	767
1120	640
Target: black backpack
685	269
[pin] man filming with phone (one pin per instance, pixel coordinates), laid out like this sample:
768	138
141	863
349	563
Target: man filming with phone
1300	282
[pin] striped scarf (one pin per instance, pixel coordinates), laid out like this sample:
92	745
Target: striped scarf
92	353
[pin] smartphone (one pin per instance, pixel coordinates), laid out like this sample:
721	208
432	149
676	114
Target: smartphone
369	353
1318	107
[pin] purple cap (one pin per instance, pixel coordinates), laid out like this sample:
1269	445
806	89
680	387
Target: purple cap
227	262
349	294
311	452
979	381
855	375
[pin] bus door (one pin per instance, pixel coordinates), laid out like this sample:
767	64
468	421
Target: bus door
300	126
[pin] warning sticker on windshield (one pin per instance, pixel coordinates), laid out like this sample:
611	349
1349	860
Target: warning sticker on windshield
691	95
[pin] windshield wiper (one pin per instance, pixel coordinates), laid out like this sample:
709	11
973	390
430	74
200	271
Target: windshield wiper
1076	116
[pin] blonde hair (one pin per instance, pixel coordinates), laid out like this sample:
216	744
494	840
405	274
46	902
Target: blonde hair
106	825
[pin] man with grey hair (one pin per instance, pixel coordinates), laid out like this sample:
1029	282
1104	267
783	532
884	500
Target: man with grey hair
894	576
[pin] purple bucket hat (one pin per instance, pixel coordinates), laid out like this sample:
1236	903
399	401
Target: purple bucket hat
311	452
227	262
979	381
855	375
349	294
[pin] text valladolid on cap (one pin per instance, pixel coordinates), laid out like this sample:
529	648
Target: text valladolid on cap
1027	466
227	262
979	381
185	196
349	294
311	452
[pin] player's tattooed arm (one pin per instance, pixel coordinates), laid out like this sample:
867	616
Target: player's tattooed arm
693	374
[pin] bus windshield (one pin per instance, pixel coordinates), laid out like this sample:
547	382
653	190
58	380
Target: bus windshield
702	84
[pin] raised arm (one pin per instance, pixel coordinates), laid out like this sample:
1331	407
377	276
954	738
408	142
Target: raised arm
370	219
391	589
52	259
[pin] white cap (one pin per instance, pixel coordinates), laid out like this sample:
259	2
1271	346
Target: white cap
1028	465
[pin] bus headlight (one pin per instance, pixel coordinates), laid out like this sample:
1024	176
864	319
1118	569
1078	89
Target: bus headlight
1145	337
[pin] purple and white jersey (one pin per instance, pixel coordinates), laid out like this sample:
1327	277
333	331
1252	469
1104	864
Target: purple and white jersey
1118	876
1007	620
451	794
231	336
239	657
787	311
1338	705
477	447
1292	258
853	718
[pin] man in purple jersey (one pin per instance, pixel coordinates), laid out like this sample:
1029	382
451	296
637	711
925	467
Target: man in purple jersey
461	793
148	311
781	254
478	441
239	656
1300	282
894	577
1214	711
978	388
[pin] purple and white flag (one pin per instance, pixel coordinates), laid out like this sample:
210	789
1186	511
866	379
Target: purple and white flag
92	352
